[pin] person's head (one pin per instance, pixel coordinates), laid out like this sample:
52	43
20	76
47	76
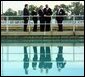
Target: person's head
26	5
46	5
58	7
41	7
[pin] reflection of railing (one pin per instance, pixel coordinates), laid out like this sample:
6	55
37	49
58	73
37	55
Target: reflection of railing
6	20
74	55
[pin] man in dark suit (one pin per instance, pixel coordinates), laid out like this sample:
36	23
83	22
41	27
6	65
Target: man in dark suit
41	18
47	12
34	14
25	14
59	17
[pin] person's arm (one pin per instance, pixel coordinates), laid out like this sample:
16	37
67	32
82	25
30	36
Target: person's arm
64	12
50	12
24	13
28	13
39	12
32	14
44	12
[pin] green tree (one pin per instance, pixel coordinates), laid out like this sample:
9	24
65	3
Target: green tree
66	8
32	7
54	11
10	12
55	8
77	8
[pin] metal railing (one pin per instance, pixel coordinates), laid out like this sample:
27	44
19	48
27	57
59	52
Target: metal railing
72	54
74	21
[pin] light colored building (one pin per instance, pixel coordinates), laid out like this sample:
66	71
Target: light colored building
20	12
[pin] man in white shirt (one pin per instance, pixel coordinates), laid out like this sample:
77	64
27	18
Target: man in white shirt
59	17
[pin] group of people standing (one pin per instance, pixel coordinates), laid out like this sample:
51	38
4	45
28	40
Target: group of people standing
44	17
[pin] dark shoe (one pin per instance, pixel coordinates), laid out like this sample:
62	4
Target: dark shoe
60	30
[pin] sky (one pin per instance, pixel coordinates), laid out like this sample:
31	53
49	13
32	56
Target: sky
19	5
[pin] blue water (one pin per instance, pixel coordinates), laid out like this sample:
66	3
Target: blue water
42	60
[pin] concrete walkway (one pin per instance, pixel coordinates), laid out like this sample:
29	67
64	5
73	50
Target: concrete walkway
11	33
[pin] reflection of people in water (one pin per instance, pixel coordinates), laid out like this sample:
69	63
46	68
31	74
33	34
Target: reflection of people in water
34	63
26	60
42	58
45	59
48	64
60	60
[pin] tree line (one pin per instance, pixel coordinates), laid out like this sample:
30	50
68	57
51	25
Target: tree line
75	8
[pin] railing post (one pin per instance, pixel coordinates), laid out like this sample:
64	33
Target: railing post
73	52
74	24
29	23
51	23
2	55
7	23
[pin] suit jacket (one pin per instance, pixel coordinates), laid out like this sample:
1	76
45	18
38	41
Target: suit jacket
48	13
25	13
33	14
41	14
61	12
